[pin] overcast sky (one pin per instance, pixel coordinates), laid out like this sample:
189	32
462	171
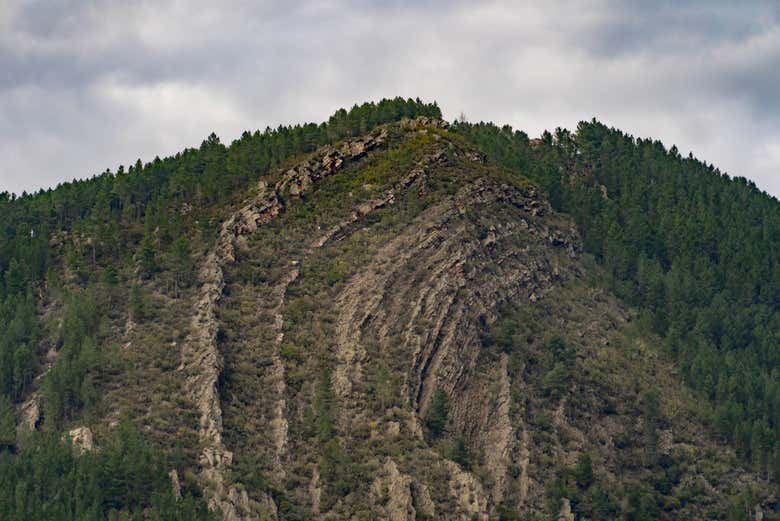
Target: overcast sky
88	85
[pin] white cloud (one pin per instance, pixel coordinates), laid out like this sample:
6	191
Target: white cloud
105	82
166	111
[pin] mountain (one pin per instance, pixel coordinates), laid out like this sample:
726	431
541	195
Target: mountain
387	316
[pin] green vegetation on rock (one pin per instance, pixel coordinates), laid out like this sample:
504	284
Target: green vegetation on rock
385	317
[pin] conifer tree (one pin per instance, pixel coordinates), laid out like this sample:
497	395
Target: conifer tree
436	419
7	423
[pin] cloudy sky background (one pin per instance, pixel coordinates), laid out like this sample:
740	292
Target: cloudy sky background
91	84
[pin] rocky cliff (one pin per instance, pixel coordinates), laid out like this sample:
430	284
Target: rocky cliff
390	280
392	327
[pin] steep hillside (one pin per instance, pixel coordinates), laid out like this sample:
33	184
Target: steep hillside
694	250
396	324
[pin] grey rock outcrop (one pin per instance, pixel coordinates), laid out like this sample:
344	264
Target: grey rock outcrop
175	483
565	514
201	359
468	495
81	438
30	413
392	494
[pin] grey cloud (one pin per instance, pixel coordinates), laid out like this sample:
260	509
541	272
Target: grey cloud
663	27
91	84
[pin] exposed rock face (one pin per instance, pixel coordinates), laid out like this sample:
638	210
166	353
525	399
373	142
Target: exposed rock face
392	495
423	287
350	353
423	501
30	413
175	484
201	358
279	424
315	492
525	459
440	249
421	122
299	179
423	297
479	292
440	241
498	434
467	495
566	513
81	438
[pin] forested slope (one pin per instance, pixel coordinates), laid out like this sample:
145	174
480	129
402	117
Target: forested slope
696	251
385	317
76	259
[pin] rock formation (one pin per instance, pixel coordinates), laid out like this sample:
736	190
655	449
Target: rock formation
81	438
392	494
201	358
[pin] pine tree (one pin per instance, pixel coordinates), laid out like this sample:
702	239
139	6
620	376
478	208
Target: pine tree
324	405
460	453
583	472
137	304
650	418
7	423
147	257
436	419
182	261
14	278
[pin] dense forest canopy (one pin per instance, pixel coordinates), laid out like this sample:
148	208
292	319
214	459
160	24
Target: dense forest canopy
698	253
127	479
